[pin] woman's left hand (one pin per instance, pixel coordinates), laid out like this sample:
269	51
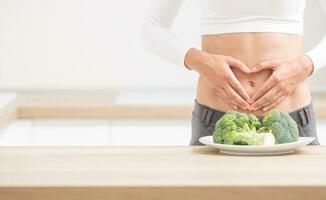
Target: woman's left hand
287	75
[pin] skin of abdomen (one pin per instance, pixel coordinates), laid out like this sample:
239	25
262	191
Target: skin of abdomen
253	48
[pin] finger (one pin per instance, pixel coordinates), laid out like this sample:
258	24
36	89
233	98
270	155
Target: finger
236	97
273	98
238	64
273	105
266	99
222	93
235	84
264	88
265	65
234	105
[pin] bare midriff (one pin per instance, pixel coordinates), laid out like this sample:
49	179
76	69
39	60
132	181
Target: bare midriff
253	48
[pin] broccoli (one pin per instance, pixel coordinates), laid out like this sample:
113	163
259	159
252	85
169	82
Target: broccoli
282	126
239	129
245	129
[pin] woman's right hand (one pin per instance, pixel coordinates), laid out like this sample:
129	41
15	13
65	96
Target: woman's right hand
216	72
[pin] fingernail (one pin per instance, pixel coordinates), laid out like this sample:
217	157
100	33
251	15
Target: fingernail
235	107
264	109
253	69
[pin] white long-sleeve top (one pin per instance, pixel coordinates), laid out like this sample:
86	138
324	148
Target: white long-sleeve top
226	16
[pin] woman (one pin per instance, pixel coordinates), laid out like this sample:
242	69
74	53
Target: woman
251	60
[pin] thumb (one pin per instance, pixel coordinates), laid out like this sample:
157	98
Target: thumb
265	65
238	64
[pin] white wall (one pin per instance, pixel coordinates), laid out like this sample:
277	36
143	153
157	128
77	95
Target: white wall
94	44
315	27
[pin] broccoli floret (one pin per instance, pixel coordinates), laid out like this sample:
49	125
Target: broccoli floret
245	129
238	129
282	126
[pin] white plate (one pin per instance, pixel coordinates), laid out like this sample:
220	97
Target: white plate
257	149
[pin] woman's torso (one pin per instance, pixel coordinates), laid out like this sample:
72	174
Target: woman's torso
253	48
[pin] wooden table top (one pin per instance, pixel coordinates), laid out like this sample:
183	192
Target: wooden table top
30	170
157	166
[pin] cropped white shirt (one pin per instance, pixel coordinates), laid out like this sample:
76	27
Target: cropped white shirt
226	16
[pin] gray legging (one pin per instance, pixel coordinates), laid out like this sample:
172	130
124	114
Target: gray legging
204	119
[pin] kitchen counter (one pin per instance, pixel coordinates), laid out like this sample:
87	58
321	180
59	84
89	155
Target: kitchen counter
118	104
109	104
103	105
159	173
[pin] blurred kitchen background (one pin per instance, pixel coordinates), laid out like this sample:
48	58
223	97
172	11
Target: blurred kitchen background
69	47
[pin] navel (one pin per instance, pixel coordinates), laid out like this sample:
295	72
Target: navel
251	83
